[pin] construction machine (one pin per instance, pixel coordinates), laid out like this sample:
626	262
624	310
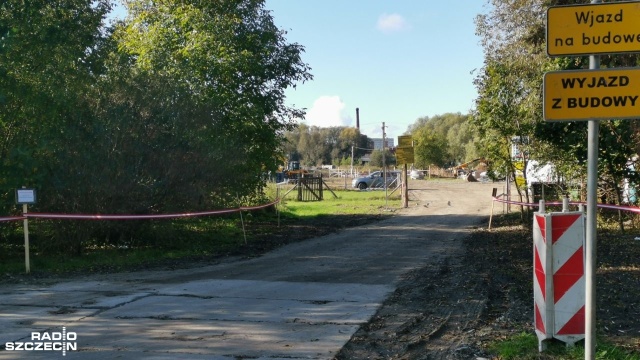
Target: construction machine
464	168
293	171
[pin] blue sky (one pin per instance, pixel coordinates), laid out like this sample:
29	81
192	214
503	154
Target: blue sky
396	61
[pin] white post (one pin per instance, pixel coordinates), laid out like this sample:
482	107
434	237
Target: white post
26	239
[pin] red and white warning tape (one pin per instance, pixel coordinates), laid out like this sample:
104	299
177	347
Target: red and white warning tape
12	218
556	203
134	217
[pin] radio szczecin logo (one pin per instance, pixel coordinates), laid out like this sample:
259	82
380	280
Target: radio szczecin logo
46	341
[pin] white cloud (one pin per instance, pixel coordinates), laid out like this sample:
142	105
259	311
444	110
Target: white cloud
389	23
328	111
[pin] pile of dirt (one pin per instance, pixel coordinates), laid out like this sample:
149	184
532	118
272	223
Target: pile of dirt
457	309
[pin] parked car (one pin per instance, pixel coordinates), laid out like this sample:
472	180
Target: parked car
416	174
374	180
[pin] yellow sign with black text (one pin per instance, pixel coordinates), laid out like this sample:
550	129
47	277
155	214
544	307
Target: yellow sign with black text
592	94
602	28
405	141
404	155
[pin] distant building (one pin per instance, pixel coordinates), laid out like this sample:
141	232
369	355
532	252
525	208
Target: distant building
377	143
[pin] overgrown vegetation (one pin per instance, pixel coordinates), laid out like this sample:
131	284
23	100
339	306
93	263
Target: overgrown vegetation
510	103
315	146
178	107
443	140
183	241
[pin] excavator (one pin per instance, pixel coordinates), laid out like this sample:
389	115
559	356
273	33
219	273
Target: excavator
465	167
293	171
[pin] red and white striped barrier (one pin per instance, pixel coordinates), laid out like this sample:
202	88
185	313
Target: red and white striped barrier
559	276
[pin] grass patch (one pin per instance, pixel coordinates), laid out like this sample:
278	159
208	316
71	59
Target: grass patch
162	243
524	346
372	202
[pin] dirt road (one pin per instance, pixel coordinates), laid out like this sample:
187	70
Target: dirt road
303	300
457	308
436	307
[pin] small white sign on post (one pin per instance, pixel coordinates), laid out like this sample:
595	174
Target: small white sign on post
26	196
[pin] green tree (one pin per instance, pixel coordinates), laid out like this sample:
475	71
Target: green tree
48	60
317	146
349	137
289	146
429	148
451	130
502	113
509	101
377	158
509	85
312	146
224	66
178	107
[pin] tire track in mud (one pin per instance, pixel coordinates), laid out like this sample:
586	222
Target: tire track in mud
433	314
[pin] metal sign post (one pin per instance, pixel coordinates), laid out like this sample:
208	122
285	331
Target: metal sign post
591	231
592	95
404	155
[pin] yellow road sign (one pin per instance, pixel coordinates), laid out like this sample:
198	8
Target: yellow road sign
405	141
593	29
404	155
592	94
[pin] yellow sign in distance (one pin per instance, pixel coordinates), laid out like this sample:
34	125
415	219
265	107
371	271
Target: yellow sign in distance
592	94
518	165
602	28
404	155
405	141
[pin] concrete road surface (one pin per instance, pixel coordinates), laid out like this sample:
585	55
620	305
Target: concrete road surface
301	301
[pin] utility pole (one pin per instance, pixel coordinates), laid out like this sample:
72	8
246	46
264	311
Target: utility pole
352	146
384	163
